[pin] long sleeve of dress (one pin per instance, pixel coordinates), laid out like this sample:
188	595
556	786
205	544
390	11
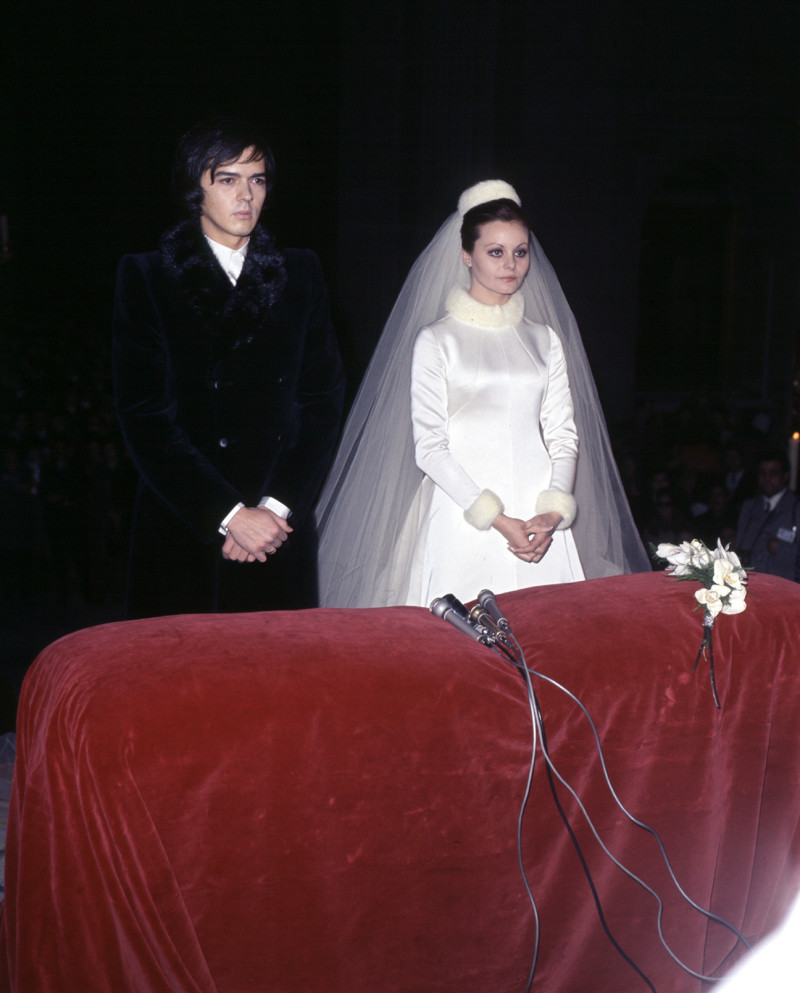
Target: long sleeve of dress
429	416
557	420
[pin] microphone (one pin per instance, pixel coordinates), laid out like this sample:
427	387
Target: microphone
487	600
450	602
452	610
480	617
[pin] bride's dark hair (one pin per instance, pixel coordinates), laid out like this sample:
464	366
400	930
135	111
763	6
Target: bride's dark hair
495	210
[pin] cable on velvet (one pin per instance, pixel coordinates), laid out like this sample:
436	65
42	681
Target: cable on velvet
493	630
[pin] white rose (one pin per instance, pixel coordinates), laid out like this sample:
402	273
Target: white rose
735	602
699	555
683	555
678	556
665	550
726	574
732	557
712	599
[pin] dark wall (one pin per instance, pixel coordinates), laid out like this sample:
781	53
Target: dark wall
101	92
597	113
381	113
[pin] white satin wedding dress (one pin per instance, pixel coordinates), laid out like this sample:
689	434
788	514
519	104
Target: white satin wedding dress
491	409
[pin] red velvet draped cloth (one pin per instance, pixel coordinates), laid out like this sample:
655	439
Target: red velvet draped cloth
328	800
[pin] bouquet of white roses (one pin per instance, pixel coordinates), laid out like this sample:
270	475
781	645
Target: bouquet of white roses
723	590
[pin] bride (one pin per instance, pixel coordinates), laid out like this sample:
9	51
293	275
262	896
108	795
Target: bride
458	460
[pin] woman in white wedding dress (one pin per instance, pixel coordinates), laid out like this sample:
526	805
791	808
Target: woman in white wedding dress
493	427
457	464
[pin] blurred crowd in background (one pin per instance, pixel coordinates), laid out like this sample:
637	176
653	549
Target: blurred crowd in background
66	484
687	470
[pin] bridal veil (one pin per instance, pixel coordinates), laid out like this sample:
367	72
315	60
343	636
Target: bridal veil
369	508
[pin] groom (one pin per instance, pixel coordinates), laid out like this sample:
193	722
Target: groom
228	386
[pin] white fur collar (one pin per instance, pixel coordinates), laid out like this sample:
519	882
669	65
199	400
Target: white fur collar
470	311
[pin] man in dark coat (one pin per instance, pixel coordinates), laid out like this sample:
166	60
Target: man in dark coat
229	386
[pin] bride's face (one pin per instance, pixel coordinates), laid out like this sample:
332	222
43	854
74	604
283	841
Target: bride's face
498	261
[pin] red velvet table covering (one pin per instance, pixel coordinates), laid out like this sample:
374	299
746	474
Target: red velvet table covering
328	800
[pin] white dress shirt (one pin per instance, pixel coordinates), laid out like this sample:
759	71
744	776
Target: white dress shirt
770	503
231	259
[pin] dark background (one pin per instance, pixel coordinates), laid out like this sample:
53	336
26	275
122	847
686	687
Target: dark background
655	146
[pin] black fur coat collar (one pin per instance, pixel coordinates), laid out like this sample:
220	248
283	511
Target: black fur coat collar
188	257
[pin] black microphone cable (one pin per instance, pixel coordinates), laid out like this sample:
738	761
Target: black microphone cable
497	635
494	633
551	768
716	918
507	648
586	871
536	715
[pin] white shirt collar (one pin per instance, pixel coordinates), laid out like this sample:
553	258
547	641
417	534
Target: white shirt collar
773	501
231	259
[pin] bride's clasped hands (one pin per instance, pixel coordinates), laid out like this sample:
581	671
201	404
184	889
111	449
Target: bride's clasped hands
528	540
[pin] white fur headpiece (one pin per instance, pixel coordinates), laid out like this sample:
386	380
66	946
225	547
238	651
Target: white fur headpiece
489	189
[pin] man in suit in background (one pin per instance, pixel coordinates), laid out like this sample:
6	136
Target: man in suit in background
766	537
228	386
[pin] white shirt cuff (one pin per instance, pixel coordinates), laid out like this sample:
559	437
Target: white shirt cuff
268	503
223	528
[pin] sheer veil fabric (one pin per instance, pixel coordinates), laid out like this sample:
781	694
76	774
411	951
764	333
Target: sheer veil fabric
371	504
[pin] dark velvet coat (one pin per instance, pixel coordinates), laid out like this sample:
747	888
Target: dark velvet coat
224	394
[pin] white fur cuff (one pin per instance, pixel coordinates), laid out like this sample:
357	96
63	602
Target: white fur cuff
561	503
484	510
